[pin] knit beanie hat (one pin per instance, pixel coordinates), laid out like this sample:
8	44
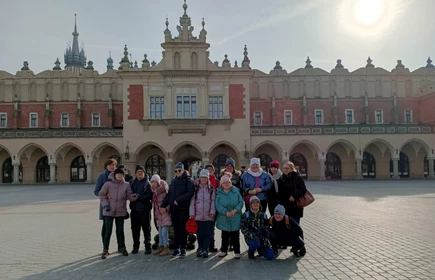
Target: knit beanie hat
255	161
119	171
155	178
279	209
274	163
209	165
230	161
225	179
253	199
203	174
121	166
139	167
179	165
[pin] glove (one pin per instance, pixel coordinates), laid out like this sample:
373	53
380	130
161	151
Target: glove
107	207
135	195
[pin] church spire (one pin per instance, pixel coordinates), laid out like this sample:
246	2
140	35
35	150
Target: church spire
75	46
75	59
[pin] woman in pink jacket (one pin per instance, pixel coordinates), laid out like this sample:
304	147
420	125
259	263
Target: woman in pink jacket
203	210
163	220
113	197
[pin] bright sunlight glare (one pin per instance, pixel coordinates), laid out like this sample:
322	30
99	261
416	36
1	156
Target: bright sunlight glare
368	11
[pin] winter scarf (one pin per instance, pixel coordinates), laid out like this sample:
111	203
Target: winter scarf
276	177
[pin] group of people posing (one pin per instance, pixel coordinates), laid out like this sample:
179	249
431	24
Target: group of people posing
211	202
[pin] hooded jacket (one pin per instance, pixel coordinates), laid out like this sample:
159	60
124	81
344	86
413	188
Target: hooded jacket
119	192
202	204
180	190
158	196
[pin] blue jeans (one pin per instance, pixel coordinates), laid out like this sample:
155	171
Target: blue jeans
163	236
205	230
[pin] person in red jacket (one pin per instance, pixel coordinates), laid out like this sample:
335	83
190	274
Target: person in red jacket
214	182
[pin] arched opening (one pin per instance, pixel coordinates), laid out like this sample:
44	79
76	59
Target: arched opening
42	170
300	163
8	171
78	169
156	164
332	166
368	166
381	151
219	163
117	158
426	167
270	149
191	156
29	156
403	166
265	161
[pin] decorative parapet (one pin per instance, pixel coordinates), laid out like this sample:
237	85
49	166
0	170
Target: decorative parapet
344	129
59	133
186	126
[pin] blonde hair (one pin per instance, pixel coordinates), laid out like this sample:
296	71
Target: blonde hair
291	165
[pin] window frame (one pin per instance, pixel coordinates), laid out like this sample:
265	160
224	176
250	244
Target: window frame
410	115
261	118
315	116
99	120
153	104
382	116
220	101
61	120
345	116
285	117
30	120
5	119
180	92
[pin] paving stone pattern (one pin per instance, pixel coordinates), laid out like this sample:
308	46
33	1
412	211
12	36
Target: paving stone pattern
354	230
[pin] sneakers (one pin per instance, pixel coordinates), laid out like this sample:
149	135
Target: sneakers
251	255
222	254
124	252
237	256
134	251
176	253
183	253
205	254
105	254
199	253
158	251
165	251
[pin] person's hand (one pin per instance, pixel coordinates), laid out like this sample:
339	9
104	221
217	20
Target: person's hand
211	215
135	195
228	214
233	212
163	211
176	203
108	196
258	190
292	199
192	217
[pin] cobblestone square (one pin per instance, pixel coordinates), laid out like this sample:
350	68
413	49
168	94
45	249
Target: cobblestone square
354	230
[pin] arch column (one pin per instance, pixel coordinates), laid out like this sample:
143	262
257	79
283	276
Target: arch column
169	174
359	169
16	164
89	169
205	161
52	163
431	173
395	168
322	169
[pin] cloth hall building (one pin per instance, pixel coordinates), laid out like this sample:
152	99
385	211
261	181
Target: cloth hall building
60	125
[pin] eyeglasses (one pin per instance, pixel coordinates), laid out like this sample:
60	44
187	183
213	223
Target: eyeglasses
178	171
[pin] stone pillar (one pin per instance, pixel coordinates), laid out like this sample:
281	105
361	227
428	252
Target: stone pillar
359	169
395	168
322	169
16	173
146	102
169	174
431	173
52	173
89	172
205	161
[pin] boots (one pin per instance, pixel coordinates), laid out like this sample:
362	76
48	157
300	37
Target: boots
158	251
165	251
105	254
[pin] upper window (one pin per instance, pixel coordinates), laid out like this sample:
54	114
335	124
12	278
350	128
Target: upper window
33	120
3	120
319	116
64	120
216	107
408	116
95	119
379	116
288	117
157	107
257	118
349	116
186	103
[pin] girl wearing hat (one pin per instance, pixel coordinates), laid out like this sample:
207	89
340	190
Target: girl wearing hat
113	198
256	182
163	219
202	209
229	205
275	174
236	175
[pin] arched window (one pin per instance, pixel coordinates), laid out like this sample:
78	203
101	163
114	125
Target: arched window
8	171
332	166
78	169
155	164
403	166
368	166
42	170
255	90
194	61
286	89
265	160
219	163
300	163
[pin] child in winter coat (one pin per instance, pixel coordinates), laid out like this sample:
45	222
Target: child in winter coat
229	205
254	227
285	231
113	198
202	209
163	220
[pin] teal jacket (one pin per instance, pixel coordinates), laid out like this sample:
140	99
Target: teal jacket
226	202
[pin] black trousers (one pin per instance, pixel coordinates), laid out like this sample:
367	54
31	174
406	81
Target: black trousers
141	220
179	219
294	241
103	230
119	221
234	238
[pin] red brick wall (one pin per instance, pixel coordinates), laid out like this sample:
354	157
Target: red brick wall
427	109
237	101
26	109
135	102
9	110
117	115
58	109
409	104
89	108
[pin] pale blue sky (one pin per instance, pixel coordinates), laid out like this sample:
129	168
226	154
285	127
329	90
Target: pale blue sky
284	30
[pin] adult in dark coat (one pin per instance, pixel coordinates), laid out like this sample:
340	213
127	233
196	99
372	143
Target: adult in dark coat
291	186
141	210
179	195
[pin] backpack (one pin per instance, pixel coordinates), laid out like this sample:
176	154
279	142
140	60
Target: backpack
287	221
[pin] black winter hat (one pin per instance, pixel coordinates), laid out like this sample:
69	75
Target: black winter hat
139	167
119	171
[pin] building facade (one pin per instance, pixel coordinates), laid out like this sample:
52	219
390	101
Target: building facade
61	125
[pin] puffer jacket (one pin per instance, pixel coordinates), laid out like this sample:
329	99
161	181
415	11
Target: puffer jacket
249	183
143	189
254	226
159	195
226	202
289	185
202	204
119	192
180	190
101	180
